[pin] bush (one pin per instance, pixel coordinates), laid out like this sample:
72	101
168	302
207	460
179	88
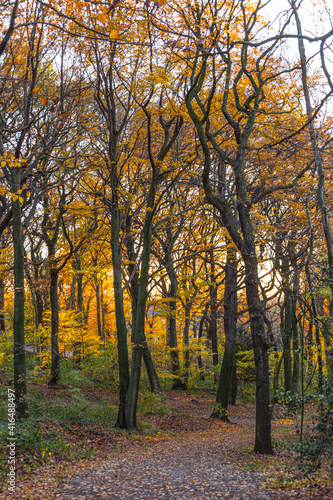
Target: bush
319	446
152	404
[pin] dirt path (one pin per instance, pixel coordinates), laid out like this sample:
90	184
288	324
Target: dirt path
179	453
198	465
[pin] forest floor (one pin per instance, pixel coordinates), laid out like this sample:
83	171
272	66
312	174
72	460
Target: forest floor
177	453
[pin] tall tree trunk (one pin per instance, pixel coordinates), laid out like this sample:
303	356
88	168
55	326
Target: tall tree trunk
325	326
288	324
316	325
71	300
54	303
32	293
20	384
154	380
295	333
140	342
38	291
200	332
79	289
263	443
260	340
314	302
172	323
132	270
34	285
39	308
119	309
78	344
213	307
139	337
230	328
186	341
98	310
234	385
134	292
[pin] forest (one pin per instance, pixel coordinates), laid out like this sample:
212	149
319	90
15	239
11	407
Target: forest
166	242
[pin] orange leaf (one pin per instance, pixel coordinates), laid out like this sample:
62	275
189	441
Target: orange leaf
114	34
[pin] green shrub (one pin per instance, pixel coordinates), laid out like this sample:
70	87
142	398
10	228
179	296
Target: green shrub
319	445
152	404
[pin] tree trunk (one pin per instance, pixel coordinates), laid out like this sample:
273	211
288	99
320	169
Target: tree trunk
54	302
316	323
120	315
263	443
39	308
132	272
71	300
134	292
172	321
173	343
260	341
78	344
36	295
288	324
79	282
233	392
140	342
201	324
230	324
213	308
154	381
186	341
20	384
295	334
98	310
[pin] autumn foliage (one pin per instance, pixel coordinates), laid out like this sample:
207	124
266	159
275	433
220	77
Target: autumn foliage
165	202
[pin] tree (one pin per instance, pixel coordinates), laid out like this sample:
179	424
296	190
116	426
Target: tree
221	56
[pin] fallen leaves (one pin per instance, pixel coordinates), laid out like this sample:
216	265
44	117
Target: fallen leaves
183	455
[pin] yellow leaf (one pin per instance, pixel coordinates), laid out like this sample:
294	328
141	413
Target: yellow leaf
102	18
114	34
43	101
19	191
36	90
28	194
20	199
14	196
3	163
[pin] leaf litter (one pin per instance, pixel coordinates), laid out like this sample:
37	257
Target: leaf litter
180	455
